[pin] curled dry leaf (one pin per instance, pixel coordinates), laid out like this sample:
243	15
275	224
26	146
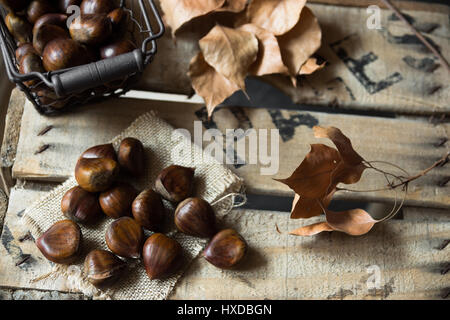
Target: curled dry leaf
311	66
213	87
276	16
312	229
179	12
306	207
230	52
269	59
233	6
301	42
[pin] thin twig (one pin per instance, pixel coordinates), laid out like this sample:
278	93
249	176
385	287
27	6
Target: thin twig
418	34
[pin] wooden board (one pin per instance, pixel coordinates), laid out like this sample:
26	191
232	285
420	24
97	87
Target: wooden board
384	70
408	253
414	145
424	5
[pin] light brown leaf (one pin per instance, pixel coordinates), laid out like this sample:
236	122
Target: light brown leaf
312	178
311	66
179	12
354	222
306	208
213	87
269	59
342	143
233	6
276	16
301	42
230	52
312	229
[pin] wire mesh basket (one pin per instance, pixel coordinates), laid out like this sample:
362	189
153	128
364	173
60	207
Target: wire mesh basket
93	82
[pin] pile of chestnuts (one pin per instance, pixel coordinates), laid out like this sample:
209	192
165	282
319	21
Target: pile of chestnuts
45	41
100	192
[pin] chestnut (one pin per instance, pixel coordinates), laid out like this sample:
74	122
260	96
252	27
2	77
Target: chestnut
100	151
102	268
64	4
81	206
116	48
97	6
131	156
19	28
116	201
226	249
63	53
23	50
175	183
125	237
195	217
49	98
37	8
96	175
31	62
47	33
15	5
148	210
61	242
57	19
162	256
119	21
92	29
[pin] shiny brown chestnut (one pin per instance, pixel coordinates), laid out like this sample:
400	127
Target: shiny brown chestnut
100	151
23	50
96	175
116	201
226	249
102	268
57	19
162	256
175	183
47	33
63	53
81	206
61	242
125	237
31	62
15	5
64	4
131	156
196	217
19	28
116	48
97	6
37	8
49	98
92	29
148	210
119	20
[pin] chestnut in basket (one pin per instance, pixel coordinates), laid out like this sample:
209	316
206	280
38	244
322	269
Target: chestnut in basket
47	33
125	237
226	249
61	242
29	63
92	29
116	48
57	19
116	201
148	210
15	5
119	20
63	53
97	6
49	98
175	183
196	217
96	175
19	28
64	4
81	206
37	8
23	50
103	268
162	256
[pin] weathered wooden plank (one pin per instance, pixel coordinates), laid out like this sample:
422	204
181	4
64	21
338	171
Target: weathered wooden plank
386	69
414	145
408	253
430	5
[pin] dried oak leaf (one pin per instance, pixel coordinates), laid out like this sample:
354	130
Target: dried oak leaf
233	6
213	87
269	59
230	52
276	16
179	12
311	66
301	42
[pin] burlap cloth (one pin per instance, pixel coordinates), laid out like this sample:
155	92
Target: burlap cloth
213	182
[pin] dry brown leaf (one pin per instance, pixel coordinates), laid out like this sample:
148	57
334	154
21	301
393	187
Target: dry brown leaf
179	12
233	6
276	16
311	66
312	229
230	52
312	178
213	87
306	207
269	59
354	222
301	42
